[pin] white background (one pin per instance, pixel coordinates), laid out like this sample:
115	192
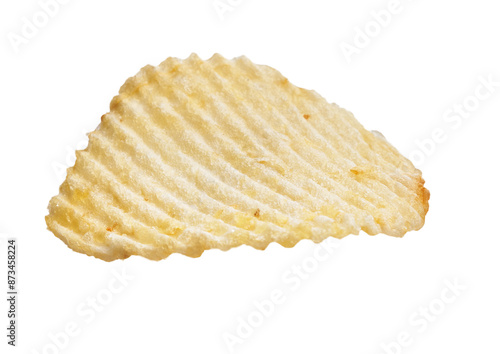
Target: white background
428	59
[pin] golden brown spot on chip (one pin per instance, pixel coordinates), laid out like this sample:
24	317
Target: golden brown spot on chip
257	213
111	229
423	194
356	171
307	116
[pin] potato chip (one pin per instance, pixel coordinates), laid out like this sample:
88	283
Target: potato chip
196	155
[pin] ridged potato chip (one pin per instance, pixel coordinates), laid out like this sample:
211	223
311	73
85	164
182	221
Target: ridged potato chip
197	154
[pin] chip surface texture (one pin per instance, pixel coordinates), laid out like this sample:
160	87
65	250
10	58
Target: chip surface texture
197	154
